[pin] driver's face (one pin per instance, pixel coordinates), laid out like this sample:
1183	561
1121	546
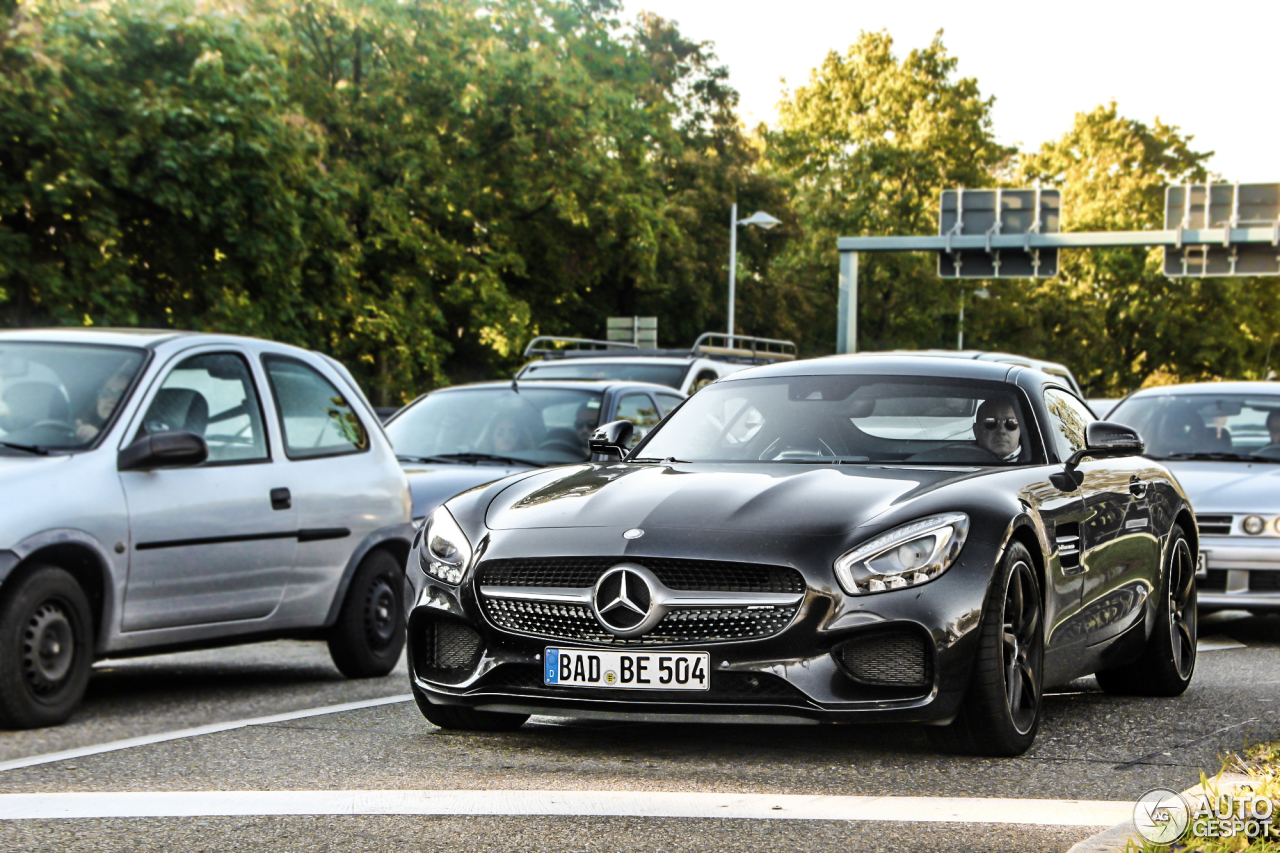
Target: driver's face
1273	427
998	430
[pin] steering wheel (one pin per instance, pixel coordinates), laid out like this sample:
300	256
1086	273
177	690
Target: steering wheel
67	429
563	446
1271	451
957	454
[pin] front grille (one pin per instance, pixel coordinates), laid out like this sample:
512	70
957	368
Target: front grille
687	625
1214	525
444	650
1264	581
725	687
1215	582
895	656
701	575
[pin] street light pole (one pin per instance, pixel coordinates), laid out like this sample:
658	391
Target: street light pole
759	218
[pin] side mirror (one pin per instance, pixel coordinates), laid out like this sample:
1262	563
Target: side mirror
163	450
1104	440
609	442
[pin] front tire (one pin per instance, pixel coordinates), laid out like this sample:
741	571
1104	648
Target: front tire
1000	712
466	719
46	648
368	637
1169	659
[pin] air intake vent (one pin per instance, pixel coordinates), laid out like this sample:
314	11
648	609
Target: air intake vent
1068	536
1214	525
895	656
444	650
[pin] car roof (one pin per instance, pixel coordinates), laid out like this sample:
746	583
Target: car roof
882	364
1255	387
617	359
96	335
562	384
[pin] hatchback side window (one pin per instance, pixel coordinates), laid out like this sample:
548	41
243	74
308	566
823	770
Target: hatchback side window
668	402
315	417
641	411
1068	418
212	396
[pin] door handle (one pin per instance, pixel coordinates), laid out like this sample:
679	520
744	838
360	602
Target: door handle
281	499
1137	488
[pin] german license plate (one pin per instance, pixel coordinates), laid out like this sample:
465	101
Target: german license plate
1202	566
630	670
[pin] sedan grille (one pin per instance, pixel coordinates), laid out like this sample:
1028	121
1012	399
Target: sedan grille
1216	581
708	575
692	625
895	656
1264	580
1214	525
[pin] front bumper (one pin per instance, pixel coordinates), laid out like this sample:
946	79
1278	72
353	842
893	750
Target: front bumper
792	676
1241	574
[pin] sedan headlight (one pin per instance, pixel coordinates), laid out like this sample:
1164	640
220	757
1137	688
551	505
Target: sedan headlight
910	555
1253	525
445	553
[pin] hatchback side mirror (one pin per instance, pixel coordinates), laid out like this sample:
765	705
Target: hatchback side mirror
163	450
609	442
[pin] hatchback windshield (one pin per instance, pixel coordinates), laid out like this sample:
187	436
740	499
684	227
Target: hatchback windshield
1206	426
670	375
61	396
847	419
539	426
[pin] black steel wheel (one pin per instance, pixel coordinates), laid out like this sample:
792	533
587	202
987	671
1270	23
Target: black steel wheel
368	637
1001	709
1169	659
46	648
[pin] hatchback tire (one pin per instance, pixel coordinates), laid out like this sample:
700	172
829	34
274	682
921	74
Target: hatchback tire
46	648
466	719
368	637
1000	712
1169	659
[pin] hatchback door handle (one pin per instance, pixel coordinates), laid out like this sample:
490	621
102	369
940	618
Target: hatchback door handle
281	499
1137	488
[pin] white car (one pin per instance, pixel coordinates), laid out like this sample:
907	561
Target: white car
165	490
712	357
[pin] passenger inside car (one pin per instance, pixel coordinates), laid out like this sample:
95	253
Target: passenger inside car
510	434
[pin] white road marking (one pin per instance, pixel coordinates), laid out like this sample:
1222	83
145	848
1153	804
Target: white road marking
1218	643
212	728
566	803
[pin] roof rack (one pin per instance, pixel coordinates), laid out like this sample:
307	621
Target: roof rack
744	346
571	345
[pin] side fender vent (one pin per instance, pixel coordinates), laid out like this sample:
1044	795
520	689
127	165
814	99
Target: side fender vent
1068	537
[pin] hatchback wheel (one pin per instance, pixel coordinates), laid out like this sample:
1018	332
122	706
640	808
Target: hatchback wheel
368	637
46	648
1001	709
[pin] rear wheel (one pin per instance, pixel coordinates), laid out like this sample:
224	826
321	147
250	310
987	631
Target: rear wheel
466	719
1169	659
368	637
1001	709
46	648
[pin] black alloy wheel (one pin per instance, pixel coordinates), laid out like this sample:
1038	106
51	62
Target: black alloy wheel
46	647
1000	712
368	637
1169	658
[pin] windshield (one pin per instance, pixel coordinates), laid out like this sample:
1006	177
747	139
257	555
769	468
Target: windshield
62	396
1224	426
539	426
671	375
847	419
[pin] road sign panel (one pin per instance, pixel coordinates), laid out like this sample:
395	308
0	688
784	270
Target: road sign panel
994	213
1224	206
642	331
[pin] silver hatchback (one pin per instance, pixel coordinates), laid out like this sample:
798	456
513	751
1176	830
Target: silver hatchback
162	490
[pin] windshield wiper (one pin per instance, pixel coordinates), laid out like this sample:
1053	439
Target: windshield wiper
656	459
33	449
1222	456
482	457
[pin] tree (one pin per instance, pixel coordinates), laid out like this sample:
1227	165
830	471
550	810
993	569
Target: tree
867	146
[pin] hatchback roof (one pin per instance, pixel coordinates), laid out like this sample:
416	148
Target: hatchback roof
96	335
1254	387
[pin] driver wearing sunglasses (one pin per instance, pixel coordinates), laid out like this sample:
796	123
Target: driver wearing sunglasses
997	429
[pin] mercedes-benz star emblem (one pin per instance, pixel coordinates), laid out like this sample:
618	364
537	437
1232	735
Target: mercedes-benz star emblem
623	600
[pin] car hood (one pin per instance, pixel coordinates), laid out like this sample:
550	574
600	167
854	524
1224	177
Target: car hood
1229	486
432	485
788	499
15	469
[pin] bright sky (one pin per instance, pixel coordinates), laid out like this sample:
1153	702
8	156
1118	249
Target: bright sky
1208	68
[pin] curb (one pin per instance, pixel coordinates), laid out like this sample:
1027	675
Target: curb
1117	838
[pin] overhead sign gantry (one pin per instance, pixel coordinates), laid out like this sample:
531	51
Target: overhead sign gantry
1210	229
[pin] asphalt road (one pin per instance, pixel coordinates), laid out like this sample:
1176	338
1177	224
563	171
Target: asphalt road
1090	746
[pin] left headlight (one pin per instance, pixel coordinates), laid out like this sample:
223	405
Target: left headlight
445	552
909	555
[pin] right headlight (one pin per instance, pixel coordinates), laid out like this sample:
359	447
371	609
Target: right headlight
909	555
445	552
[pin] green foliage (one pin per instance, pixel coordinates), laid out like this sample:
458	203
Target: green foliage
867	146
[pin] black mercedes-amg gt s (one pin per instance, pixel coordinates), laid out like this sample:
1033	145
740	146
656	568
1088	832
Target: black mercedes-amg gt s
847	539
